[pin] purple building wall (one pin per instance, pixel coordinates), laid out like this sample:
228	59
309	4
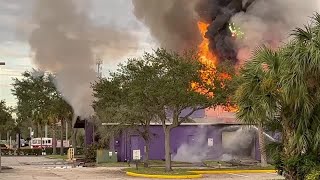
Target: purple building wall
89	127
88	132
127	141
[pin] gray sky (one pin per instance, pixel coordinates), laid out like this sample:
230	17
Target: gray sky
15	26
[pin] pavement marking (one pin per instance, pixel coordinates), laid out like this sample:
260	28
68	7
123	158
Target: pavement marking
241	175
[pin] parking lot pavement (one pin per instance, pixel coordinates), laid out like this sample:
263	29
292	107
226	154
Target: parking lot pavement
40	168
238	176
26	160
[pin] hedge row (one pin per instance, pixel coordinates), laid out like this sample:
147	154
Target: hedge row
36	152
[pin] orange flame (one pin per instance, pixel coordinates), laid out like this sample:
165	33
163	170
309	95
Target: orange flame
206	56
210	60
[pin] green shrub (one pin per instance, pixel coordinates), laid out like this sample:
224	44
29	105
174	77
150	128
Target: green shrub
49	151
302	165
274	151
91	153
36	152
314	174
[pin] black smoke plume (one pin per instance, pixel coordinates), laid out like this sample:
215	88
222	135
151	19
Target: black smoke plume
218	13
174	22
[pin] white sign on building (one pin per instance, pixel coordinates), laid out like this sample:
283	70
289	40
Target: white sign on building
210	142
136	155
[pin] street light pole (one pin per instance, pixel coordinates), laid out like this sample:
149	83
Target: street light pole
1	64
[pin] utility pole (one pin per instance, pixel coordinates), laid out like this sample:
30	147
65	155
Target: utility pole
99	72
99	67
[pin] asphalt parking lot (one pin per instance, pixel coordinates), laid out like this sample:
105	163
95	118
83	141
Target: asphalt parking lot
41	168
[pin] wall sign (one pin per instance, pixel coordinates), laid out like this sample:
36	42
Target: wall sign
210	142
136	155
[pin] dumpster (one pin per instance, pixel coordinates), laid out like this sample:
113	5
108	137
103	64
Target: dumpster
106	156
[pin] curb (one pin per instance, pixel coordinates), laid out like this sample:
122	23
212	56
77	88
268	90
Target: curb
234	171
191	176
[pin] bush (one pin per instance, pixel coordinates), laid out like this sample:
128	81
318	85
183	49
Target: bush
21	152
274	151
49	151
36	152
314	174
302	165
90	153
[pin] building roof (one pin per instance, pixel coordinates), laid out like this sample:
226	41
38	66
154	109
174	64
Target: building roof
183	124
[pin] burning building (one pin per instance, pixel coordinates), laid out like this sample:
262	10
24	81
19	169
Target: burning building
220	30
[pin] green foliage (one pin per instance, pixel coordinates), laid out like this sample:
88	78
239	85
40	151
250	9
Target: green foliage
147	89
36	152
38	99
302	165
159	171
6	120
314	174
91	153
282	89
274	153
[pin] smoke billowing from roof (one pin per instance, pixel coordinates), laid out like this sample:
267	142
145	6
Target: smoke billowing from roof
65	41
271	22
174	22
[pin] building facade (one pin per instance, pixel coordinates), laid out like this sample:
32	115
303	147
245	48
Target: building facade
192	142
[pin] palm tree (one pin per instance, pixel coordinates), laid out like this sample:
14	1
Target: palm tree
257	93
283	87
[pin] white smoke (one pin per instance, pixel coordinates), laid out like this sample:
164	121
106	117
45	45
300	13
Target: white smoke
194	151
238	144
271	22
238	140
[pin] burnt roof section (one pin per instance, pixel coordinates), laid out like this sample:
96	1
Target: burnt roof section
80	123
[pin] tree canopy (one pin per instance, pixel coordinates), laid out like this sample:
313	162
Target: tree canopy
6	120
38	99
164	87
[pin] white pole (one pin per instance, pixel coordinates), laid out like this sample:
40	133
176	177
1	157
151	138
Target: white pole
10	143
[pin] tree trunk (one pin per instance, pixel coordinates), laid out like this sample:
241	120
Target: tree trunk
167	148
36	130
262	145
61	139
288	151
0	155
146	153
54	139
